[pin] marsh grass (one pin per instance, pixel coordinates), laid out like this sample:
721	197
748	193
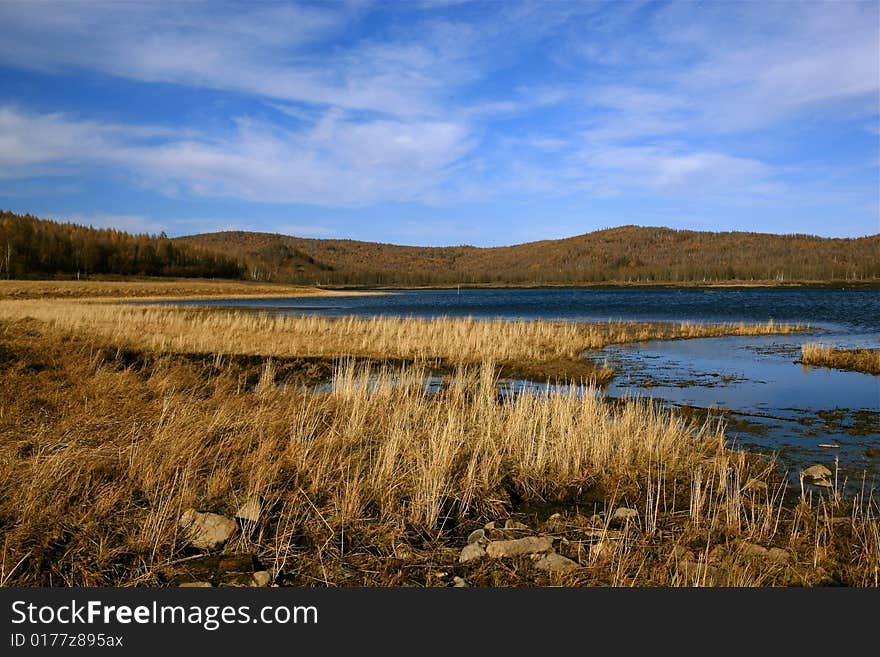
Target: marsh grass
538	350
377	481
858	360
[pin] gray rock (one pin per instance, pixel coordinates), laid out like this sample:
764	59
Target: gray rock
250	510
206	531
477	536
818	475
779	555
622	514
261	578
515	547
555	563
753	550
459	583
513	524
471	552
817	472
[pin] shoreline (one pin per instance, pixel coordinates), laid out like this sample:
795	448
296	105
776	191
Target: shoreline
619	286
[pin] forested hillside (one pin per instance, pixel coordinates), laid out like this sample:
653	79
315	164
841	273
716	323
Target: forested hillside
32	247
622	255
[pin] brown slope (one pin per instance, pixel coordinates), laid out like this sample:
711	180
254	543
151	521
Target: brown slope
624	254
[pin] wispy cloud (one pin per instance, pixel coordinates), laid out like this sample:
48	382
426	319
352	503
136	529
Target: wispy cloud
336	161
356	104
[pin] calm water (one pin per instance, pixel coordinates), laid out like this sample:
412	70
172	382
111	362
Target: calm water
772	403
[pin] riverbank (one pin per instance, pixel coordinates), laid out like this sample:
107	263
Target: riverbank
624	285
166	289
534	350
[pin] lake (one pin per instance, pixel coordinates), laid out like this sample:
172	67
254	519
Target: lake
771	403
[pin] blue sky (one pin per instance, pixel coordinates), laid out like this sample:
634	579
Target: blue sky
443	122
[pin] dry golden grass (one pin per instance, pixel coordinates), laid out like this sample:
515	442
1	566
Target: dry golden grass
859	360
377	482
106	436
532	349
155	288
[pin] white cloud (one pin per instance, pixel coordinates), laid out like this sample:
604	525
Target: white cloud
631	96
265	51
667	170
335	162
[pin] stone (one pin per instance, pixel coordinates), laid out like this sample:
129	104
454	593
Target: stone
459	583
196	585
622	514
477	536
471	552
518	546
513	524
779	555
207	531
817	472
818	475
753	550
555	563
261	578
249	511
554	517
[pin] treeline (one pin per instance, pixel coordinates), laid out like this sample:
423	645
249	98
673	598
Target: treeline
628	254
32	248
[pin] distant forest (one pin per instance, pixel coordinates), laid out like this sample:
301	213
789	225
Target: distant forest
629	254
32	247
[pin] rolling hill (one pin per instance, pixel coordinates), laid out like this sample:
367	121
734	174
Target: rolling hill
628	254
